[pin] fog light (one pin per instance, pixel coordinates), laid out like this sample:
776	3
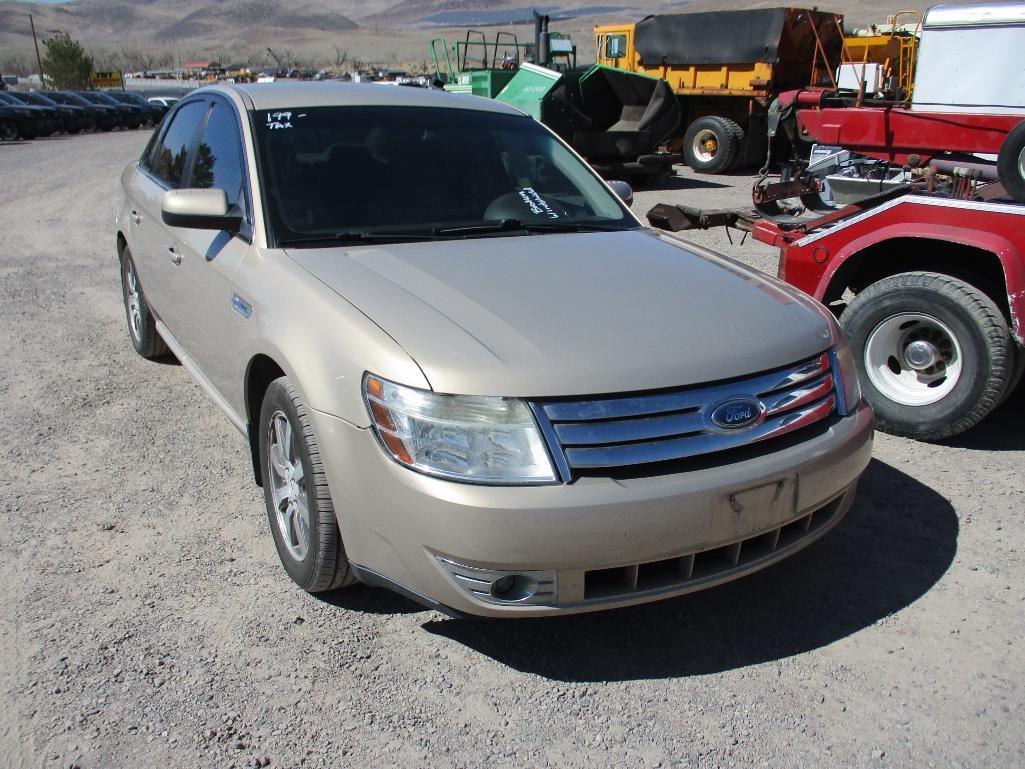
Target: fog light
513	587
501	587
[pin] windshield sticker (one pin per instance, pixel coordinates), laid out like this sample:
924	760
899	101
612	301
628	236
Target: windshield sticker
537	204
279	120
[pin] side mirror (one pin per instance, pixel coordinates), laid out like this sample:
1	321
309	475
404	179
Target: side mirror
199	209
624	191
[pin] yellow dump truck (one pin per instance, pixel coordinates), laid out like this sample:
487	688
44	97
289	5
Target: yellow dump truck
725	68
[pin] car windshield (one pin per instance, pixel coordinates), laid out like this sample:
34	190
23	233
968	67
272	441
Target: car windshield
10	100
127	98
69	98
34	98
361	173
99	98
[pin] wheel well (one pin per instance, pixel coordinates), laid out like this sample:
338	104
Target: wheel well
261	372
976	266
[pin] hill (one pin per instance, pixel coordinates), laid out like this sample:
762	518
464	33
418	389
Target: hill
135	34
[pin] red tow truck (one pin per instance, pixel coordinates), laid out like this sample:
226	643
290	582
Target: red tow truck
929	290
908	221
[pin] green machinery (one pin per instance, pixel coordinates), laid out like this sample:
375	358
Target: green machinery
484	68
617	120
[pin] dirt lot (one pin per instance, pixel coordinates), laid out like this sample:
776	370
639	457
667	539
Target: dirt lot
145	621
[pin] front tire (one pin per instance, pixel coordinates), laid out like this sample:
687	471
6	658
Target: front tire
142	326
8	131
934	353
299	506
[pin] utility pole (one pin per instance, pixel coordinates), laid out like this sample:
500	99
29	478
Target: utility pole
39	61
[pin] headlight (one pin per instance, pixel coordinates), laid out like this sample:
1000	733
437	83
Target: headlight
470	438
845	374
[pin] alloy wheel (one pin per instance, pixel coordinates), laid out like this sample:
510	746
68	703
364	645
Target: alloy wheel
287	480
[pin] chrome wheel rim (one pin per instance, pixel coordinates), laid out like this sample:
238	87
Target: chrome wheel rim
288	487
1021	163
913	359
132	300
705	145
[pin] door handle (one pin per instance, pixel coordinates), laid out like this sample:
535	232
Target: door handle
136	217
176	258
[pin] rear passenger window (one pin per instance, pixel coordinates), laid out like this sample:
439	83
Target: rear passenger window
219	156
171	152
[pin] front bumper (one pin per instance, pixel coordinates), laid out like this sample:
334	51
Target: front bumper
606	542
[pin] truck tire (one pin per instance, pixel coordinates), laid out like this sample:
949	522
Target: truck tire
299	506
1011	163
934	354
738	135
711	144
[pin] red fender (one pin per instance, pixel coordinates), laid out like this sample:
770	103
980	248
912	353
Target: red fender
1005	250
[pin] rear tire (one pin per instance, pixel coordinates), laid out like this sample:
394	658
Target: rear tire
1011	163
299	506
934	354
142	326
711	144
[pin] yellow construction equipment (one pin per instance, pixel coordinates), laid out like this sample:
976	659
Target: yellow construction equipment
892	48
725	68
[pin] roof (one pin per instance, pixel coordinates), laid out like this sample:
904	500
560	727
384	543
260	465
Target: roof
336	94
974	15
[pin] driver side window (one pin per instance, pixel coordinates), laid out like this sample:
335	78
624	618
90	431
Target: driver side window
171	152
219	159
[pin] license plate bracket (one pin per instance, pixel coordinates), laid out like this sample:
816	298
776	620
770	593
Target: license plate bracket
755	509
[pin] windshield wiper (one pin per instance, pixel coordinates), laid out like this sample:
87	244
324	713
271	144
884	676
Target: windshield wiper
356	236
518	225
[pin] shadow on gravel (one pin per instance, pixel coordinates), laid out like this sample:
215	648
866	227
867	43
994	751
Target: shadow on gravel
892	547
1003	430
668	183
369	600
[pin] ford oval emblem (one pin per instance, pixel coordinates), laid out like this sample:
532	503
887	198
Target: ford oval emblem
736	413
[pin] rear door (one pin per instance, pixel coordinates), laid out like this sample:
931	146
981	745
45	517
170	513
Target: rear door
206	315
159	170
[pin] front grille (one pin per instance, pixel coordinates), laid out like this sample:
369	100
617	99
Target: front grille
596	435
693	569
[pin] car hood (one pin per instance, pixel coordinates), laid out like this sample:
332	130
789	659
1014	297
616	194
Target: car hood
573	314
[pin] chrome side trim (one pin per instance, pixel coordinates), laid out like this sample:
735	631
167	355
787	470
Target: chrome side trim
241	306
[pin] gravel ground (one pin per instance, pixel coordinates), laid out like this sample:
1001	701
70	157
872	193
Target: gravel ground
145	621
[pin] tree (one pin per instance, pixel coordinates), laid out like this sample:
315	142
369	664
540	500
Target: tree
66	63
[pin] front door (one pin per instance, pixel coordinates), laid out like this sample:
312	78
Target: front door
152	242
206	260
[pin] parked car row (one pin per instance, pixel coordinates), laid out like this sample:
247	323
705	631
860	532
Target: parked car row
33	114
